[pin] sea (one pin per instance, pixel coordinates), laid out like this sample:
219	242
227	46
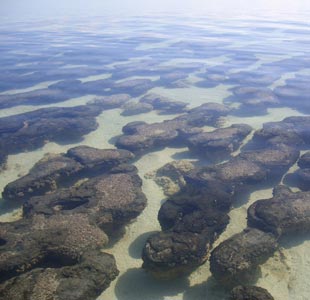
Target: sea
211	56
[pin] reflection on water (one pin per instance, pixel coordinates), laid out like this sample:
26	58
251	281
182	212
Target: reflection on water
260	68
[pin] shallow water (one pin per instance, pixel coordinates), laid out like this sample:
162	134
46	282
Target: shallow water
104	53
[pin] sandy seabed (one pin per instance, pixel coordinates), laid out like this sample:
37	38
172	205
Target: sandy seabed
285	274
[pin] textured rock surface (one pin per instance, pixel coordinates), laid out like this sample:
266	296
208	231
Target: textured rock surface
285	213
109	201
141	137
235	260
132	108
170	176
91	157
191	222
83	281
250	293
164	104
133	87
303	179
220	142
57	240
109	102
168	255
253	100
43	177
304	161
290	131
60	170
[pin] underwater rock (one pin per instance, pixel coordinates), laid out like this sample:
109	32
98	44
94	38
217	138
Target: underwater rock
206	114
168	255
36	97
109	201
61	169
133	87
110	102
170	176
295	93
303	179
164	104
103	159
290	131
257	77
220	142
31	130
235	260
196	210
304	161
139	136
275	160
85	280
285	213
208	222
148	136
236	173
39	241
43	177
253	100
169	79
3	160
132	108
191	222
250	293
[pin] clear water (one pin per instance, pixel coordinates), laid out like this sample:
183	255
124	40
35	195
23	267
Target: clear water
35	55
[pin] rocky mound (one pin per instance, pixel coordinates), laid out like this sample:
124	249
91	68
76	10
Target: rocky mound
250	293
285	213
219	143
59	170
164	104
109	201
235	260
140	137
83	281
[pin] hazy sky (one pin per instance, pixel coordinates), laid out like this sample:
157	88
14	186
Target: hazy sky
54	8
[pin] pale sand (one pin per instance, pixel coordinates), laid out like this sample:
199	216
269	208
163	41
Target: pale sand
41	85
153	78
195	96
95	77
273	115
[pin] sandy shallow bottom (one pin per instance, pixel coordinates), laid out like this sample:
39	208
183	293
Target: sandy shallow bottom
285	275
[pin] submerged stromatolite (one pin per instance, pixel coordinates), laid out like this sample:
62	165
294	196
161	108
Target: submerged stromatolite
290	131
31	130
221	142
172	254
110	201
285	213
235	260
83	281
163	104
250	293
301	177
133	87
59	170
40	241
253	100
133	108
140	137
171	176
192	219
